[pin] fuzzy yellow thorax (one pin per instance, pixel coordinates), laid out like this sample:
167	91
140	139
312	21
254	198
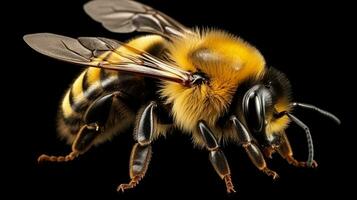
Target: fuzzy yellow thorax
225	59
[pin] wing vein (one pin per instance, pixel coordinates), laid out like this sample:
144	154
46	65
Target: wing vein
76	53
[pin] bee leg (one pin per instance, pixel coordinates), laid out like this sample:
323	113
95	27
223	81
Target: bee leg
253	151
216	156
94	118
81	144
285	151
269	151
141	152
274	141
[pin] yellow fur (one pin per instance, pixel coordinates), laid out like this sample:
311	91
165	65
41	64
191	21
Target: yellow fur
237	61
93	80
93	75
278	125
145	42
141	43
77	91
66	106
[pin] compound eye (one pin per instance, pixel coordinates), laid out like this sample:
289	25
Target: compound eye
199	78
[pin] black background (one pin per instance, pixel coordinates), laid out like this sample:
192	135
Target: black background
308	42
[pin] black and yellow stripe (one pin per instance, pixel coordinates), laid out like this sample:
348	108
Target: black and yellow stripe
94	82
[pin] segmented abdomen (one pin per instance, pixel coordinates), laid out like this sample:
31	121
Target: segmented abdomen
95	82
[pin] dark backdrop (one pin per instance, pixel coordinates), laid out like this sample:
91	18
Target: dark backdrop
309	42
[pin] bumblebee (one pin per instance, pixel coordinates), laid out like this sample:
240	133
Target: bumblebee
206	83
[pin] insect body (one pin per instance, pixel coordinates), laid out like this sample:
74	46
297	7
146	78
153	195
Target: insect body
208	84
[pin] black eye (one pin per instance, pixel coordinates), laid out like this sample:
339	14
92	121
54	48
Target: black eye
199	78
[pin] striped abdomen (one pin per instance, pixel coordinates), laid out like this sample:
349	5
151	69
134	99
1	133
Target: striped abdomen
93	83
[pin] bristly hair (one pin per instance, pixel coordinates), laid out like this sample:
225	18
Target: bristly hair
238	97
281	91
279	82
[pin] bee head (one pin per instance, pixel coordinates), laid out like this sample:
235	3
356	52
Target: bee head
262	101
267	107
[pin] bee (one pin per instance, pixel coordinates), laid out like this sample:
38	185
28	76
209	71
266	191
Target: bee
206	83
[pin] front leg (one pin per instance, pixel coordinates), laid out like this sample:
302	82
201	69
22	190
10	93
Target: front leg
285	151
141	152
252	149
216	156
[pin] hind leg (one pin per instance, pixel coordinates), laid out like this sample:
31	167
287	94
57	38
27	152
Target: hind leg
95	117
81	144
285	151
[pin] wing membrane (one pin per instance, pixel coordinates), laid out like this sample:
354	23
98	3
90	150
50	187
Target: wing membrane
91	51
124	16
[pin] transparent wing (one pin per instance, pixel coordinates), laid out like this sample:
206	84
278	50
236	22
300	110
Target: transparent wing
95	51
124	16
